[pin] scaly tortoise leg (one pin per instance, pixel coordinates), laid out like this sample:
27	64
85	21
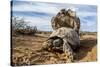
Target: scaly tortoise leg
68	51
47	44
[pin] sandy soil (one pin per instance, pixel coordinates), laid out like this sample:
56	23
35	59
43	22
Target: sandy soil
25	50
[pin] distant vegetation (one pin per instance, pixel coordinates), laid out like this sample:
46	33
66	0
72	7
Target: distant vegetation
87	33
20	26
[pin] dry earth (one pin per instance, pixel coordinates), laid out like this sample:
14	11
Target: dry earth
25	50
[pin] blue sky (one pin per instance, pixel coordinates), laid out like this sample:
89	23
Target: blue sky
40	13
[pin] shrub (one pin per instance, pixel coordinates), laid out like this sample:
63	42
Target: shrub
20	26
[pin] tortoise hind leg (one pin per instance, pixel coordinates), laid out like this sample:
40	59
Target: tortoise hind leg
68	51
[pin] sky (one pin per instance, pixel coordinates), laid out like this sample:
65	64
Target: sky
40	13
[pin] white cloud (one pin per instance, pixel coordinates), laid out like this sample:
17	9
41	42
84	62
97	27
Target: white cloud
39	7
44	23
50	8
41	23
89	25
85	14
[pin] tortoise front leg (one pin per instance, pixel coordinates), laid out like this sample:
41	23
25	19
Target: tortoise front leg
47	44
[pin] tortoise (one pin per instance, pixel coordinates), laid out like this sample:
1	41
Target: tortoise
63	39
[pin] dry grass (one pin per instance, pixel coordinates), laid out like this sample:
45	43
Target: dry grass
25	50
